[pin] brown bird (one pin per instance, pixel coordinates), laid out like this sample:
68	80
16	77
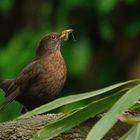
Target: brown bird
42	80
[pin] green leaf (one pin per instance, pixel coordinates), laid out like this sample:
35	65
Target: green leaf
6	5
81	52
111	117
73	98
132	134
106	6
76	117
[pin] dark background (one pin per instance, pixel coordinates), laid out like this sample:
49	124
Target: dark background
106	50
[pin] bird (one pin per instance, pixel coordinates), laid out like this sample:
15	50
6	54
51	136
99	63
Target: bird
42	80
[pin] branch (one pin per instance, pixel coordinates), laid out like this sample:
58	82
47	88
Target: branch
24	129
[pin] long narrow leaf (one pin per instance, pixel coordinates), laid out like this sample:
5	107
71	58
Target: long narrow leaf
74	98
75	118
132	134
106	123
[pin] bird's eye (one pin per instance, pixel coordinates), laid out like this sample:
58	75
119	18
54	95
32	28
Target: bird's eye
53	37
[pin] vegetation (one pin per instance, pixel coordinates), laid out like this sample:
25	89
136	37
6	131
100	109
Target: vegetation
105	51
108	100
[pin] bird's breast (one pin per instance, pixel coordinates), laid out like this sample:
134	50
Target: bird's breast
53	77
47	85
55	74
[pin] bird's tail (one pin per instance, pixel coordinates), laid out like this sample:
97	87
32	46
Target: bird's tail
3	105
9	99
4	84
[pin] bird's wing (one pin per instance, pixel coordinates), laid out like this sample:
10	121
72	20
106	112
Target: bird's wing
22	82
25	77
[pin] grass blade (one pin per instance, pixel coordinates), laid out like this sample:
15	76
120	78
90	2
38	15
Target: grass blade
132	134
75	118
74	98
111	117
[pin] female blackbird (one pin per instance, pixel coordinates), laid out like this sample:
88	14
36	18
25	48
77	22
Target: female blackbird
42	80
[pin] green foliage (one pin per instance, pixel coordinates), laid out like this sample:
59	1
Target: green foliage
6	5
111	117
106	6
133	133
105	52
79	52
75	118
133	28
106	30
73	98
120	100
22	42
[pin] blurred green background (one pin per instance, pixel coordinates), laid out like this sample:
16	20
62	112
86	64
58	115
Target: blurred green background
106	50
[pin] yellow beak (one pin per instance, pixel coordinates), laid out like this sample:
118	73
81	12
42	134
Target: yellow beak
65	34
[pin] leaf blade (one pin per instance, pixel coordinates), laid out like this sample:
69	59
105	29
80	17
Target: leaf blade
71	120
133	133
110	118
73	98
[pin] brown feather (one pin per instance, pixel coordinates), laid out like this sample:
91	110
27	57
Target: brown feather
42	80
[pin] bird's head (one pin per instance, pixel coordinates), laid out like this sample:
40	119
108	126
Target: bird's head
51	43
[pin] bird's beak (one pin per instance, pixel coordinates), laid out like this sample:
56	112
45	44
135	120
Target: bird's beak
65	34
